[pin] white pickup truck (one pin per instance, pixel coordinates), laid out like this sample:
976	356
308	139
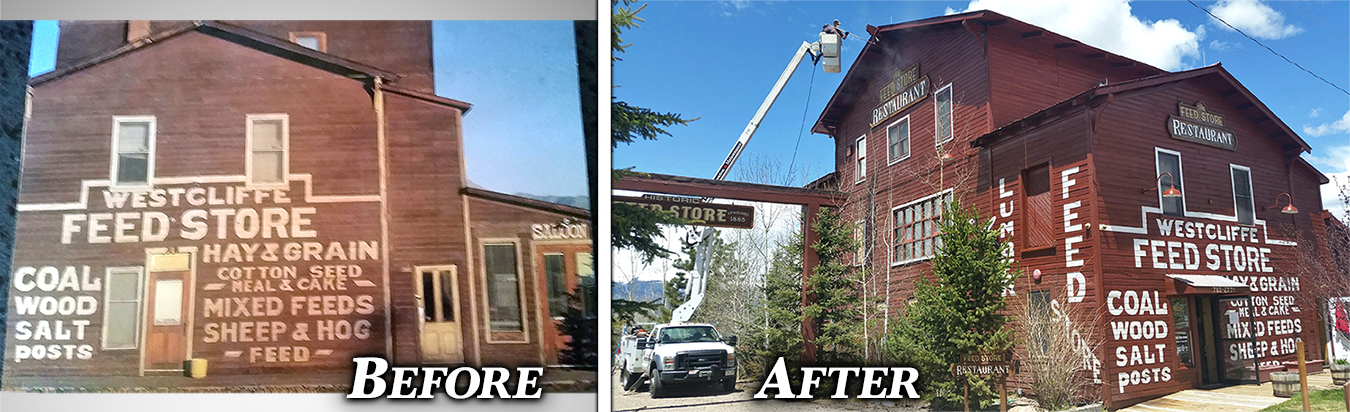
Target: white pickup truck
678	354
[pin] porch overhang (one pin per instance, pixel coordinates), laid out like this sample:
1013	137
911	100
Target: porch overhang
1205	285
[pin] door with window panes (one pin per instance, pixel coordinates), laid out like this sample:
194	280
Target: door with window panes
442	339
563	267
166	321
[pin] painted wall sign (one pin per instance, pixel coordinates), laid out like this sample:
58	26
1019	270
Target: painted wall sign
696	211
246	278
1197	125
900	101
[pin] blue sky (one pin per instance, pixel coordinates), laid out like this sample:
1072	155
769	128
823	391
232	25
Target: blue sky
523	134
718	60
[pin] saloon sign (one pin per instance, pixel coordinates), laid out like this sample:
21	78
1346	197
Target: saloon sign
696	210
1197	125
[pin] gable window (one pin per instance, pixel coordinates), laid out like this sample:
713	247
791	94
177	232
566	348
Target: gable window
916	228
1036	210
268	138
897	140
503	288
942	108
1242	195
862	158
1170	162
313	40
133	151
122	313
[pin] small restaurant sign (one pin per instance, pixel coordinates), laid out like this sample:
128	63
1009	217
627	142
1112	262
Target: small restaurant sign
904	89
1197	125
697	211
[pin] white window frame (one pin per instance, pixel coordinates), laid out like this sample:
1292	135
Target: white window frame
951	114
285	150
150	156
140	304
1157	171
1250	190
520	290
860	164
897	240
908	138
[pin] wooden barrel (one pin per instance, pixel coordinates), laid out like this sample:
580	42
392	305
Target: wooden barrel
1285	384
1340	374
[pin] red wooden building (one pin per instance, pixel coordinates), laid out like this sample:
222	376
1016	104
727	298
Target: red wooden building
1071	149
274	198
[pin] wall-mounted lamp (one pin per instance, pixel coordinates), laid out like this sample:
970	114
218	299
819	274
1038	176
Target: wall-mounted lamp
1288	209
1171	191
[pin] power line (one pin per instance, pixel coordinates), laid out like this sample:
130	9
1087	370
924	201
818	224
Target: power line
1258	42
1295	4
804	112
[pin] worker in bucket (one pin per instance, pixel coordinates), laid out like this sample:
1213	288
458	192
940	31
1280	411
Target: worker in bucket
834	29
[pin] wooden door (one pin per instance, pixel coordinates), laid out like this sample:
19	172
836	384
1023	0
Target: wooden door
165	322
442	336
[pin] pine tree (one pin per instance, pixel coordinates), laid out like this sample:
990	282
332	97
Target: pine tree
959	312
836	287
782	305
580	323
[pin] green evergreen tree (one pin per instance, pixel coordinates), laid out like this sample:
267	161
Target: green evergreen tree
837	290
781	335
634	227
580	323
959	312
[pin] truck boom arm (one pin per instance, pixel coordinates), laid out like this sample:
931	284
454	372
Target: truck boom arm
698	281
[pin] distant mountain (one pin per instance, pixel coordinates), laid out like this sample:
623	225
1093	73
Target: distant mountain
581	201
643	290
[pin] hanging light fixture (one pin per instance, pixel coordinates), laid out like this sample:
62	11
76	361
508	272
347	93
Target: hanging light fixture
1171	191
1288	209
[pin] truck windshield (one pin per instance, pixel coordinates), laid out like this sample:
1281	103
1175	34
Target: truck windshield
689	334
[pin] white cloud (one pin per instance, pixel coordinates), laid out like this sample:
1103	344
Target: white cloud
1253	17
1338	126
1336	165
1224	45
1109	25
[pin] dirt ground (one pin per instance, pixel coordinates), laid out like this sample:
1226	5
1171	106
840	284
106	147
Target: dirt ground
713	398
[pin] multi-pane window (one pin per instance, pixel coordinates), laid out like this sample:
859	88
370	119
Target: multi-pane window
862	158
267	141
1170	162
503	287
133	162
916	228
1036	187
1242	195
897	140
942	102
313	40
122	299
555	274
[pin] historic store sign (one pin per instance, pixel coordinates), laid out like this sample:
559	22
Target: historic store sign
697	211
1197	125
899	94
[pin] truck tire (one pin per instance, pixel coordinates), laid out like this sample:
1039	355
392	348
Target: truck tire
657	388
729	384
628	378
